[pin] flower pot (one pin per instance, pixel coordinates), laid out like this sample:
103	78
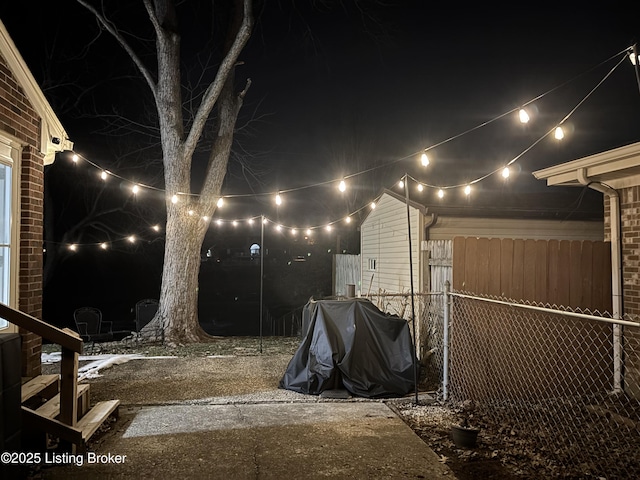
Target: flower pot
464	437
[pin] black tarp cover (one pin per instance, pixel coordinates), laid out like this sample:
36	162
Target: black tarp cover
351	344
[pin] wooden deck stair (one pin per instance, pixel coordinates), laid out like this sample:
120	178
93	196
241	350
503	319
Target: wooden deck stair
56	404
41	409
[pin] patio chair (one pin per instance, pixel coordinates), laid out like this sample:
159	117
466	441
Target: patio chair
145	311
91	327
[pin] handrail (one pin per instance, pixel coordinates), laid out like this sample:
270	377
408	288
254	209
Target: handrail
54	334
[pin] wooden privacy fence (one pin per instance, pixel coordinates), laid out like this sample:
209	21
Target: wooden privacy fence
570	273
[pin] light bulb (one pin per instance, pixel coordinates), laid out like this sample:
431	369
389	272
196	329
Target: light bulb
190	212
156	228
467	190
308	231
135	189
218	222
73	247
348	219
131	239
278	199
401	184
506	172
294	231
234	223
205	218
633	57
328	228
523	115
420	187
220	202
75	158
250	221
174	199
278	227
264	221
424	160
559	133
103	175
440	193
103	246
373	205
343	186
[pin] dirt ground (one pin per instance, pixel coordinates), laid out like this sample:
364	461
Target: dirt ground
233	369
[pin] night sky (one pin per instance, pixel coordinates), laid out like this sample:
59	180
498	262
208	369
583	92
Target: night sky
339	90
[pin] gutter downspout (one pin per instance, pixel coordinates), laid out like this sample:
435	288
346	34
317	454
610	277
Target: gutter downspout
616	271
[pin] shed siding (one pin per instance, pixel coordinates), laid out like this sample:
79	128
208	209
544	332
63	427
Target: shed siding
384	239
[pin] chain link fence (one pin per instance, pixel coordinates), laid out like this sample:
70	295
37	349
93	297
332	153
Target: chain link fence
562	387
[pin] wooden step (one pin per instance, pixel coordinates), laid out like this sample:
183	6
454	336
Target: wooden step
51	409
43	385
96	417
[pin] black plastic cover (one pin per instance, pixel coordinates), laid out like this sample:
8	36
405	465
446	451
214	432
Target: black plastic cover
351	344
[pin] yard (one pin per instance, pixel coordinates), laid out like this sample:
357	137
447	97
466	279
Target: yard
241	374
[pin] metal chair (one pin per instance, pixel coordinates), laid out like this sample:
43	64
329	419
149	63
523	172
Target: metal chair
91	327
145	311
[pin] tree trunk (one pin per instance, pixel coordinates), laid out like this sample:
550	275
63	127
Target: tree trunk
178	313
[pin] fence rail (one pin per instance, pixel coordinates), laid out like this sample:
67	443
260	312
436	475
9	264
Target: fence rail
565	383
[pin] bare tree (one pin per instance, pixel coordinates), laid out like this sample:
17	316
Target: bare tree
179	137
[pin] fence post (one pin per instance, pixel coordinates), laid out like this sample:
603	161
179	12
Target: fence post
445	342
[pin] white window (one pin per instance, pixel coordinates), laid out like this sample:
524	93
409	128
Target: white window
5	236
372	264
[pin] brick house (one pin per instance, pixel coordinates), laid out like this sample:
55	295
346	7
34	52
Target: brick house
30	136
616	174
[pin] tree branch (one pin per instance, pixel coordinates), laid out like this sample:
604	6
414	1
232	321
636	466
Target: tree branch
212	93
125	45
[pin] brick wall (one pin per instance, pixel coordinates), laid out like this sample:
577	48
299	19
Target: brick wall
630	239
20	120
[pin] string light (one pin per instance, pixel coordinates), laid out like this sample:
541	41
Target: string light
467	190
220	202
73	247
174	199
156	228
104	246
131	238
328	228
522	114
